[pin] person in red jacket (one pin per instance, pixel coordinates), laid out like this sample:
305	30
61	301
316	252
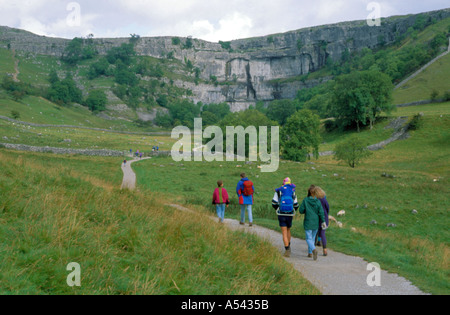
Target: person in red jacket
220	199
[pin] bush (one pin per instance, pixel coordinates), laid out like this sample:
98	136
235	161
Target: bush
352	151
65	92
96	100
16	90
15	114
416	123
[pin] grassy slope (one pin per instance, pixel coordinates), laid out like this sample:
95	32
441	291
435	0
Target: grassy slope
80	138
417	248
56	210
434	78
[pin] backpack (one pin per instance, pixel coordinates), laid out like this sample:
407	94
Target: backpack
248	188
287	201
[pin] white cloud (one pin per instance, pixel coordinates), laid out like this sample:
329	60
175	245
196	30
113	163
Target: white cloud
231	27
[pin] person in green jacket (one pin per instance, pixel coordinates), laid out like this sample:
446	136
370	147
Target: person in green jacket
313	211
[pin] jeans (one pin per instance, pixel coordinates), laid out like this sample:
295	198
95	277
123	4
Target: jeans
221	211
249	210
310	239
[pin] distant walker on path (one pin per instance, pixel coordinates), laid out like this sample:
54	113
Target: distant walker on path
245	191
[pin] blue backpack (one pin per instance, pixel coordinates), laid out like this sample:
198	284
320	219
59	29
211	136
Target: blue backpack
287	201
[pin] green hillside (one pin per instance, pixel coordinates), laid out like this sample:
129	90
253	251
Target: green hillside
434	79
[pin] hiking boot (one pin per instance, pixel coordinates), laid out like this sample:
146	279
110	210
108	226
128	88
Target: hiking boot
287	254
315	254
310	256
250	224
242	223
325	252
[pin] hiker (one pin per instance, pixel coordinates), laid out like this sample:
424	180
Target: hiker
125	163
313	211
285	202
245	191
140	155
322	240
221	200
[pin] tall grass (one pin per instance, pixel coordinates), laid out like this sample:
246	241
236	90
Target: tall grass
53	213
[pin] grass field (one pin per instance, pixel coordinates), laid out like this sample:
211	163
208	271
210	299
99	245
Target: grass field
80	138
57	210
416	249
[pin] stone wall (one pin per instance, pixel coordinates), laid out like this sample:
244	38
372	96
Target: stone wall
29	148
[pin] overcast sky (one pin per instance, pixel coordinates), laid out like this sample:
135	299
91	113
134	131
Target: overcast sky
212	20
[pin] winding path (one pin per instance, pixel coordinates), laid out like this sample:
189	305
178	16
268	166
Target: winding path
129	177
336	274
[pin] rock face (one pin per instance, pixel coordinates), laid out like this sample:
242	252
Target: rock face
248	70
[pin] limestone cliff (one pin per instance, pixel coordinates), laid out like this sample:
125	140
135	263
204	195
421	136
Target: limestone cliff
248	70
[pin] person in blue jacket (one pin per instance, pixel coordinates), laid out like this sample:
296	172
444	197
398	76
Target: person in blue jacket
245	191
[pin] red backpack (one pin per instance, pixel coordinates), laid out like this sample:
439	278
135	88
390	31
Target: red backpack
248	188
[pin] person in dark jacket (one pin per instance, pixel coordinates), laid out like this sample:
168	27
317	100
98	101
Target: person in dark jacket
321	195
313	211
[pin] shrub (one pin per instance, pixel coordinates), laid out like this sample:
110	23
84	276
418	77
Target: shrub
15	114
416	123
96	100
352	151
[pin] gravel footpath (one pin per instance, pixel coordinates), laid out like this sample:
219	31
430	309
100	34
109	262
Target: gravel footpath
129	177
336	274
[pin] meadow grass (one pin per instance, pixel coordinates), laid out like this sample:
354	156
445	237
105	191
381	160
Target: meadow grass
56	210
81	138
417	248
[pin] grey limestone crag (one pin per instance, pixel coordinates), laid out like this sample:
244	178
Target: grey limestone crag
247	70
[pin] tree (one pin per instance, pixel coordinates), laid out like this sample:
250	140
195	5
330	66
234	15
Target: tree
124	53
301	136
281	110
65	91
98	68
184	111
78	50
361	96
220	110
96	101
53	77
73	51
352	151
248	118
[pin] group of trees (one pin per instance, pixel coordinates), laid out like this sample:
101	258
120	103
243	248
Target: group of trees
17	90
66	91
360	97
79	49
